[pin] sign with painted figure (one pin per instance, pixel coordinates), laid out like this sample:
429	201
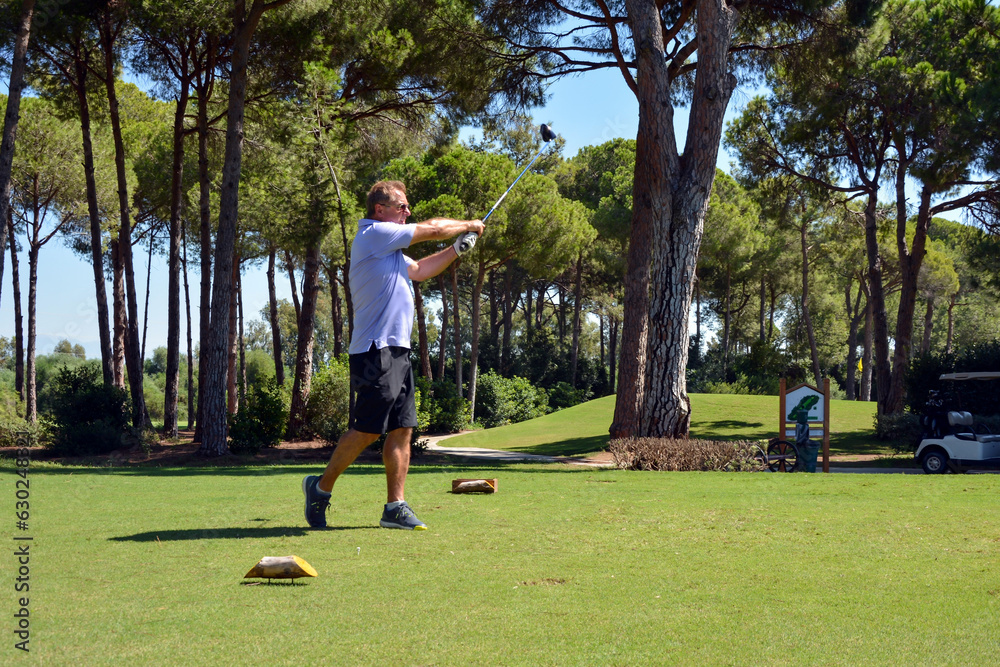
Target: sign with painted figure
805	404
805	400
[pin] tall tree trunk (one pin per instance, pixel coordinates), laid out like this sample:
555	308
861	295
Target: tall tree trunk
443	336
306	340
11	116
925	344
806	317
335	310
951	324
529	292
654	141
477	292
909	262
18	318
561	318
508	319
494	321
348	300
242	342
425	353
30	396
145	308
290	266
133	358
190	348
204	84
577	309
727	317
118	317
868	352
232	396
613	353
697	318
272	307
854	314
600	337
170	392
762	316
214	429
773	306
456	327
679	191
540	304
96	233
880	324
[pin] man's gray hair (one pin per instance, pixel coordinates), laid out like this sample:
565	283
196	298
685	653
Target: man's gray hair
383	193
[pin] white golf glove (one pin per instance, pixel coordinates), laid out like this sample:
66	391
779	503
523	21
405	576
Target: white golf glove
465	242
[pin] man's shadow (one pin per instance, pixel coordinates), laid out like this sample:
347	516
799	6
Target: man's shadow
228	533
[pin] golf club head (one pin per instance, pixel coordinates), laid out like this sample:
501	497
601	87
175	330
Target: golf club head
547	133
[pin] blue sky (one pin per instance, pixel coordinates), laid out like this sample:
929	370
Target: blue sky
585	110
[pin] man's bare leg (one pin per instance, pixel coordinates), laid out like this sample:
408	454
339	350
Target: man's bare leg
396	457
350	445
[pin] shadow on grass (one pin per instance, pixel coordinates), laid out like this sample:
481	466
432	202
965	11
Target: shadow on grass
729	424
568	447
228	533
419	465
852	443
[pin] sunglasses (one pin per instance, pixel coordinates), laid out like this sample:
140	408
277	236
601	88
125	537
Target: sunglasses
399	207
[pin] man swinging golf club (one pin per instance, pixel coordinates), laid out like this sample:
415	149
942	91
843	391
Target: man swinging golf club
380	278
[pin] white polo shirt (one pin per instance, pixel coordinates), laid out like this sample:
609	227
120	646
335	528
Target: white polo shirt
380	286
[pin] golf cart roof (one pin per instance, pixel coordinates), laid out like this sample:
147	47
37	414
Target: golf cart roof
984	375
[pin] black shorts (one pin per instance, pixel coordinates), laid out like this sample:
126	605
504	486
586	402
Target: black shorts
383	381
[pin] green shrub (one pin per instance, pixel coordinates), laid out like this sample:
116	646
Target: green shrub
423	415
153	396
501	400
328	408
903	430
446	411
261	421
563	395
88	417
761	368
740	386
685	455
19	433
260	365
46	368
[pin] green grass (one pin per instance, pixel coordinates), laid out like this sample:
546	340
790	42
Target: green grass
561	566
583	429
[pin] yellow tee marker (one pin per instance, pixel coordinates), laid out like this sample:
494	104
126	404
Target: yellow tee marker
281	567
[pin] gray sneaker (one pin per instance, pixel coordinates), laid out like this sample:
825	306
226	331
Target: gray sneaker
316	502
401	517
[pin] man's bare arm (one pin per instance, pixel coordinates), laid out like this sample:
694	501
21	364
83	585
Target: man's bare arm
440	229
432	265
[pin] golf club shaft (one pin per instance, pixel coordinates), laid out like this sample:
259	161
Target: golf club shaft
468	240
523	171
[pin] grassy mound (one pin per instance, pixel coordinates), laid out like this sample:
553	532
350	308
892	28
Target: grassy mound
583	429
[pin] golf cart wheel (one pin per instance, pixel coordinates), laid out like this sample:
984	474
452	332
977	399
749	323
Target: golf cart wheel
782	456
935	462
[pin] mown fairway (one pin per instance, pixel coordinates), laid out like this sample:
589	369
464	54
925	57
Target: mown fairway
561	566
583	429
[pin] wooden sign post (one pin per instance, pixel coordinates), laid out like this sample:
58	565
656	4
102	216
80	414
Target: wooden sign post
815	403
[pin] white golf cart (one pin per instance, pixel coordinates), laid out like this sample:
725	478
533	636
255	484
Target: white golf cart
953	441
